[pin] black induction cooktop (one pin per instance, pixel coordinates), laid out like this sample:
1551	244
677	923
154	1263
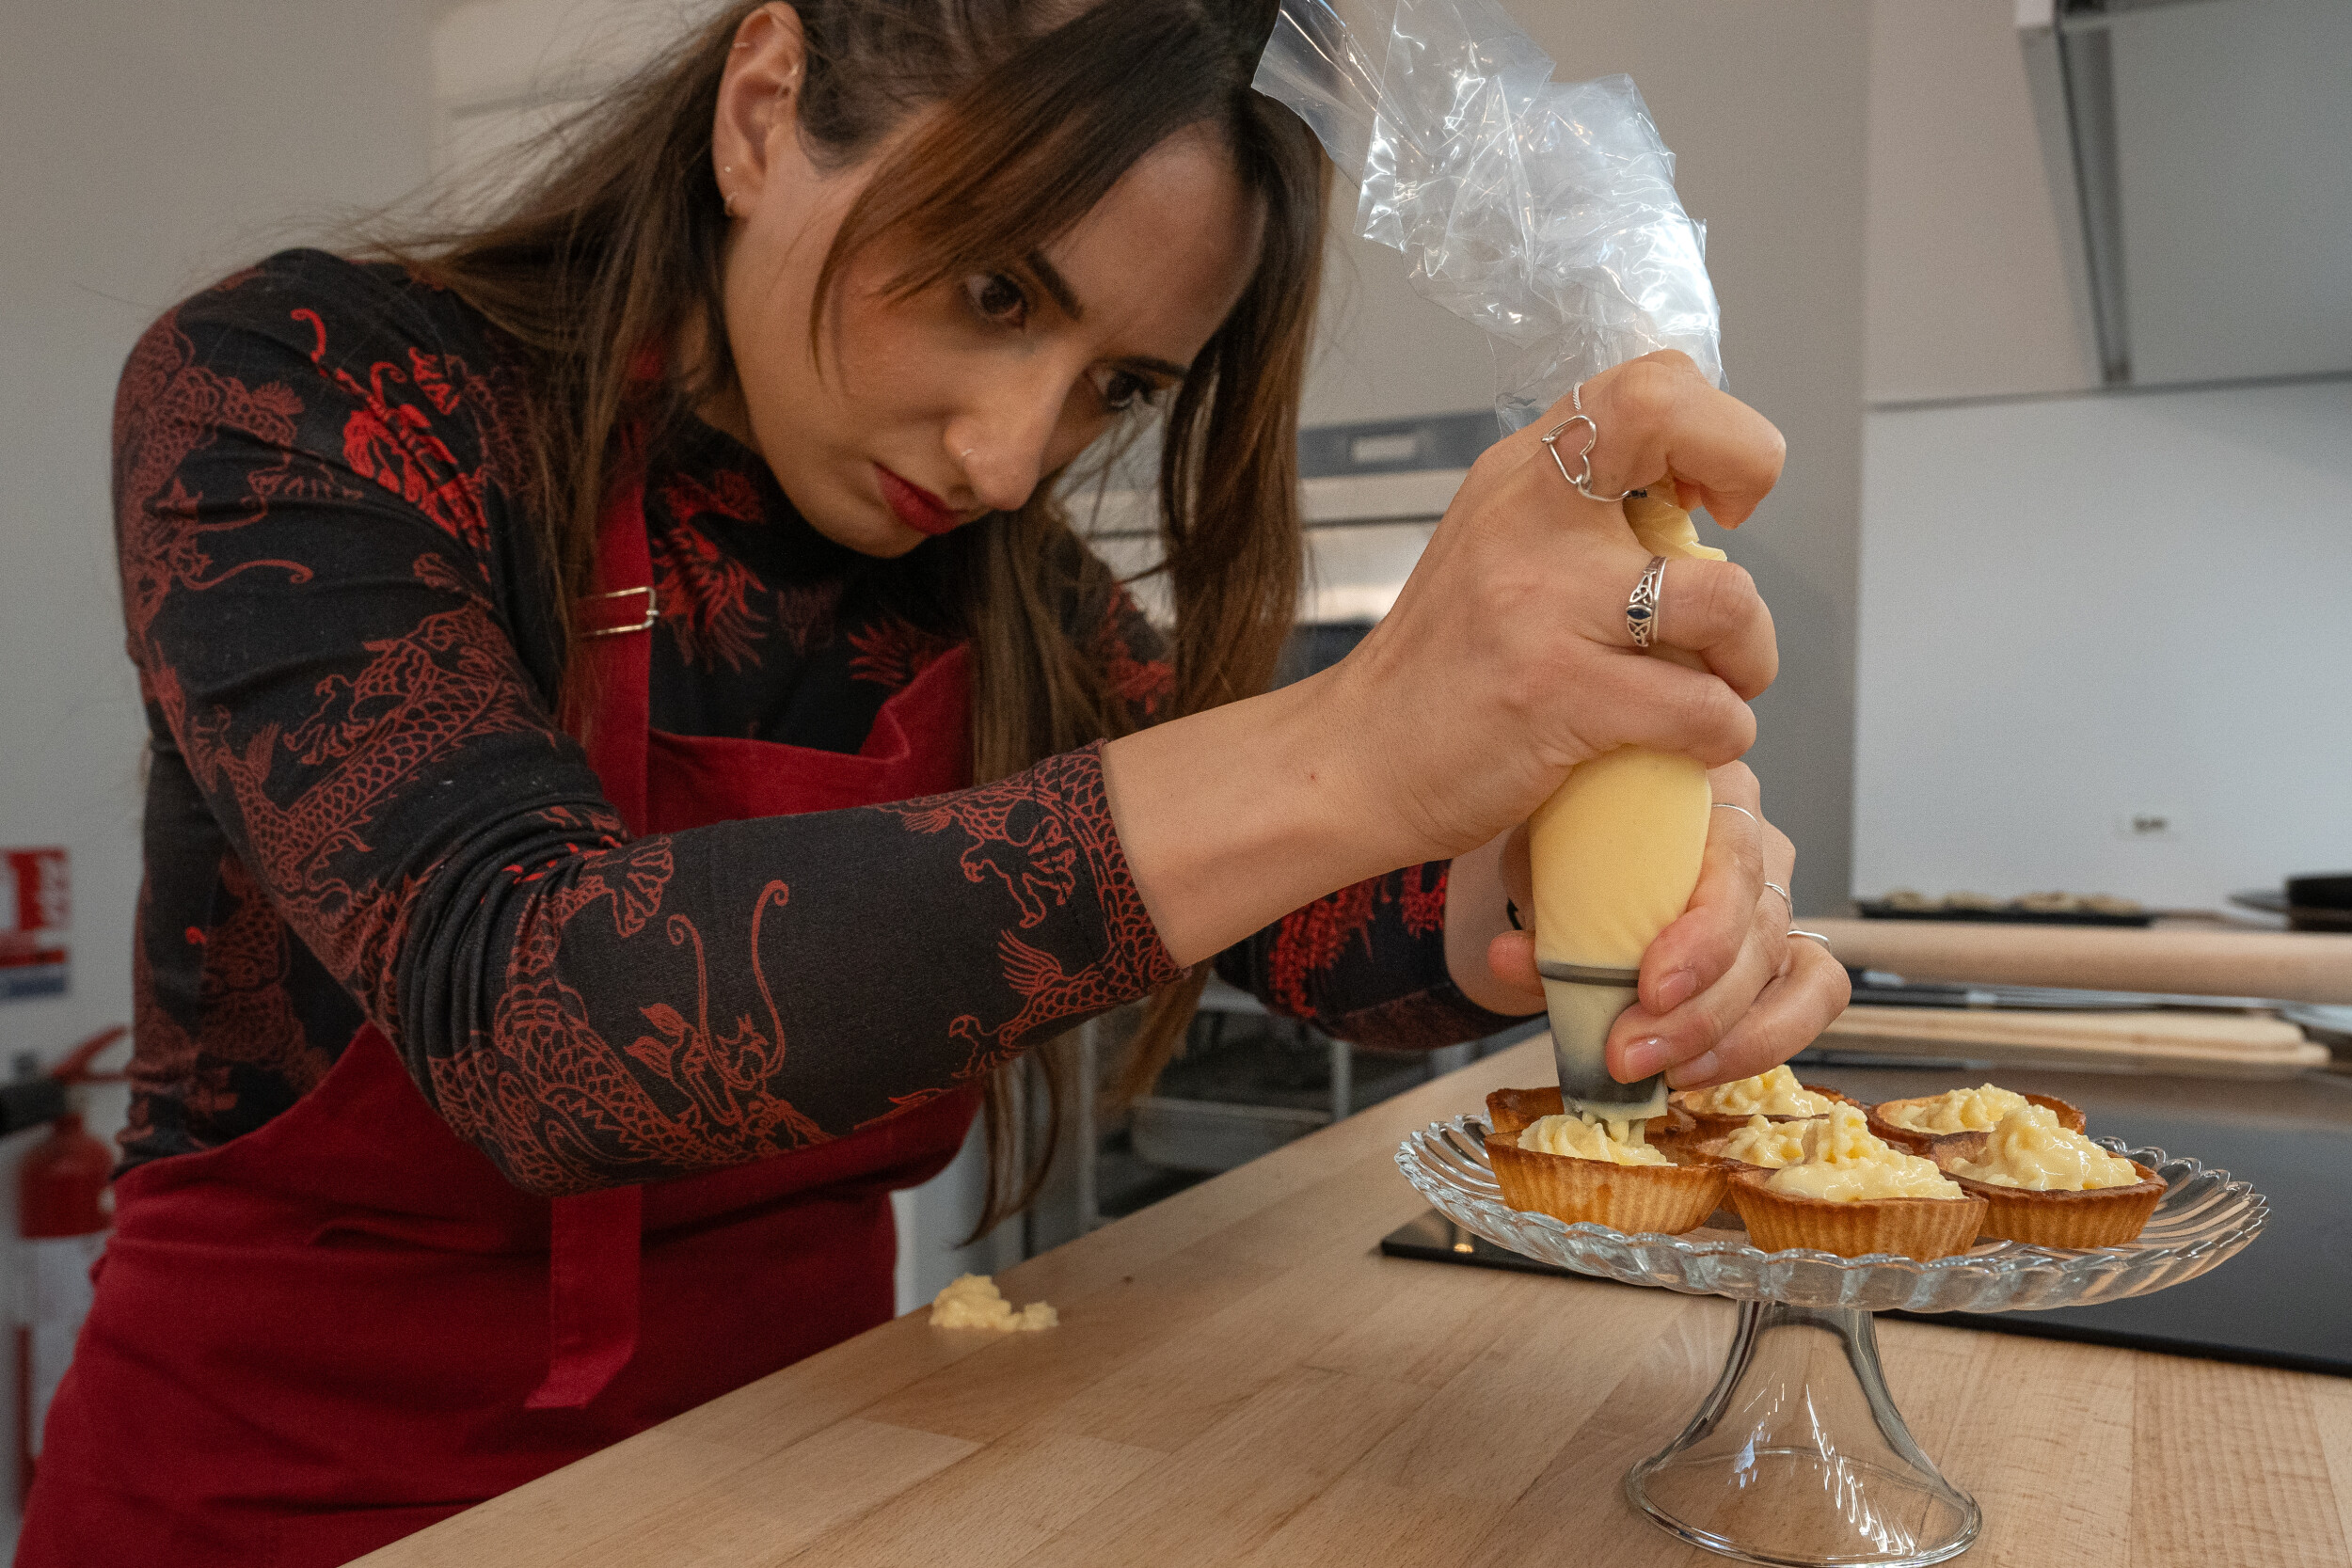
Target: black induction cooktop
2285	1301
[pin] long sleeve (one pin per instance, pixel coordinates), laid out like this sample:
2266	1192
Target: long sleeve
327	592
1366	963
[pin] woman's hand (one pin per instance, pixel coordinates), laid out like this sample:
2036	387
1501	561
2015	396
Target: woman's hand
1506	659
1726	991
1505	662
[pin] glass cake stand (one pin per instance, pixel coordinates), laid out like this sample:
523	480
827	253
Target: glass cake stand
1798	1458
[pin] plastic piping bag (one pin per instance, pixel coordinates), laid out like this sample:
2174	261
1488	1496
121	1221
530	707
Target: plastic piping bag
1544	213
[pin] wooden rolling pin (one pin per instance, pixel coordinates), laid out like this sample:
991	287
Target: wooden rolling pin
2293	966
2219	1034
2224	1040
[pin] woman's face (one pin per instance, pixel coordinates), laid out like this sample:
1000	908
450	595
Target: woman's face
931	411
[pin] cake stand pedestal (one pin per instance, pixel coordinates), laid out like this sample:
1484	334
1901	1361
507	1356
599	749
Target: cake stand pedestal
1799	1457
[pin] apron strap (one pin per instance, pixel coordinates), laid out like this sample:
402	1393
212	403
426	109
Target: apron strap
592	1253
616	627
595	1239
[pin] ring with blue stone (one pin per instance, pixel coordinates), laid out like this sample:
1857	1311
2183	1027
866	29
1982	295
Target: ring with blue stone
1641	609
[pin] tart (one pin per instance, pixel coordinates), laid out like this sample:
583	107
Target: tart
1853	1195
1515	1110
1637	1200
1975	1101
1655	1196
2052	1216
1919	1228
1726	1107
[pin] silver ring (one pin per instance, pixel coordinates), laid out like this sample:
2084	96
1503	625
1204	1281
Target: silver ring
1641	606
1726	805
1583	478
1784	897
1815	936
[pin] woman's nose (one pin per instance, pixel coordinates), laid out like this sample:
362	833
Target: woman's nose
1004	445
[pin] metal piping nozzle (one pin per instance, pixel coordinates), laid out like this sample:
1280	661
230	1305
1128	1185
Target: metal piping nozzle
1584	1002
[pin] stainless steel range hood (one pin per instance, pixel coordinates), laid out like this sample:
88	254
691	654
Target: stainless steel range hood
2208	145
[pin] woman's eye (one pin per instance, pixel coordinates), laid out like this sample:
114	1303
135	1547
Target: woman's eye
997	298
1125	390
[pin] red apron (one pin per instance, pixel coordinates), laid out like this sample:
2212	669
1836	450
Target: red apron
345	1325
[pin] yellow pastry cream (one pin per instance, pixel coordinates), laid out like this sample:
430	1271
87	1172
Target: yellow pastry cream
1618	1143
1843	1164
1957	1111
1771	1094
973	1301
1767	1143
2030	1151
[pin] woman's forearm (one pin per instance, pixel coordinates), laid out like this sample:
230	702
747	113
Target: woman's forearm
1233	817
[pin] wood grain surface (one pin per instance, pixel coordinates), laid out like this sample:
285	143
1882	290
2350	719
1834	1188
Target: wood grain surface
1240	1378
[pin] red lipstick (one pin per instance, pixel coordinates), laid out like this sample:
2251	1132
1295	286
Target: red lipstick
916	506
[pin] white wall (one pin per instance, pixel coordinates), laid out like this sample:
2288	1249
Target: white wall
504	70
2078	609
2075	608
149	149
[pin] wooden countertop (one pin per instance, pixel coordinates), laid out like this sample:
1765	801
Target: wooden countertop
1240	1378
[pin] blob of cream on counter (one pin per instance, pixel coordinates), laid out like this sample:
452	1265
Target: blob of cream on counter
1956	1111
973	1301
2031	1151
1773	1093
1843	1163
1767	1143
1618	1143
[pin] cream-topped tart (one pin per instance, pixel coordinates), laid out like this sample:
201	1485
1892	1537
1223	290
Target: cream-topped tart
1617	1143
1913	1123
1584	1169
1853	1193
1774	1094
2046	1183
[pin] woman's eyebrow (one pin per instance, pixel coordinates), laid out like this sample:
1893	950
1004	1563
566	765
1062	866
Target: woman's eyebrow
1168	367
1049	278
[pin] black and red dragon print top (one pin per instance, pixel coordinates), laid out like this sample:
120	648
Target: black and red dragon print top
361	807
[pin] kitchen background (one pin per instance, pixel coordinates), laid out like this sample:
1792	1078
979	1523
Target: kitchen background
2041	628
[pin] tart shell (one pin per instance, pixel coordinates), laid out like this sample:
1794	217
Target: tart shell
1637	1200
1515	1110
1916	1228
1917	1143
2101	1217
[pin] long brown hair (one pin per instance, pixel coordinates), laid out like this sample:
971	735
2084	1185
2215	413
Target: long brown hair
1037	107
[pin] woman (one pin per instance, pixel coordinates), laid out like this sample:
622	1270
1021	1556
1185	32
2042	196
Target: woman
636	750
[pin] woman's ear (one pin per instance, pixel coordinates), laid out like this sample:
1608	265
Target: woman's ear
757	121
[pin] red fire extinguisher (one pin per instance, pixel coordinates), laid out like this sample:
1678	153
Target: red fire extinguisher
63	1212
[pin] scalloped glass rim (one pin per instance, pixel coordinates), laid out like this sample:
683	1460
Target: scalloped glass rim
2204	1218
